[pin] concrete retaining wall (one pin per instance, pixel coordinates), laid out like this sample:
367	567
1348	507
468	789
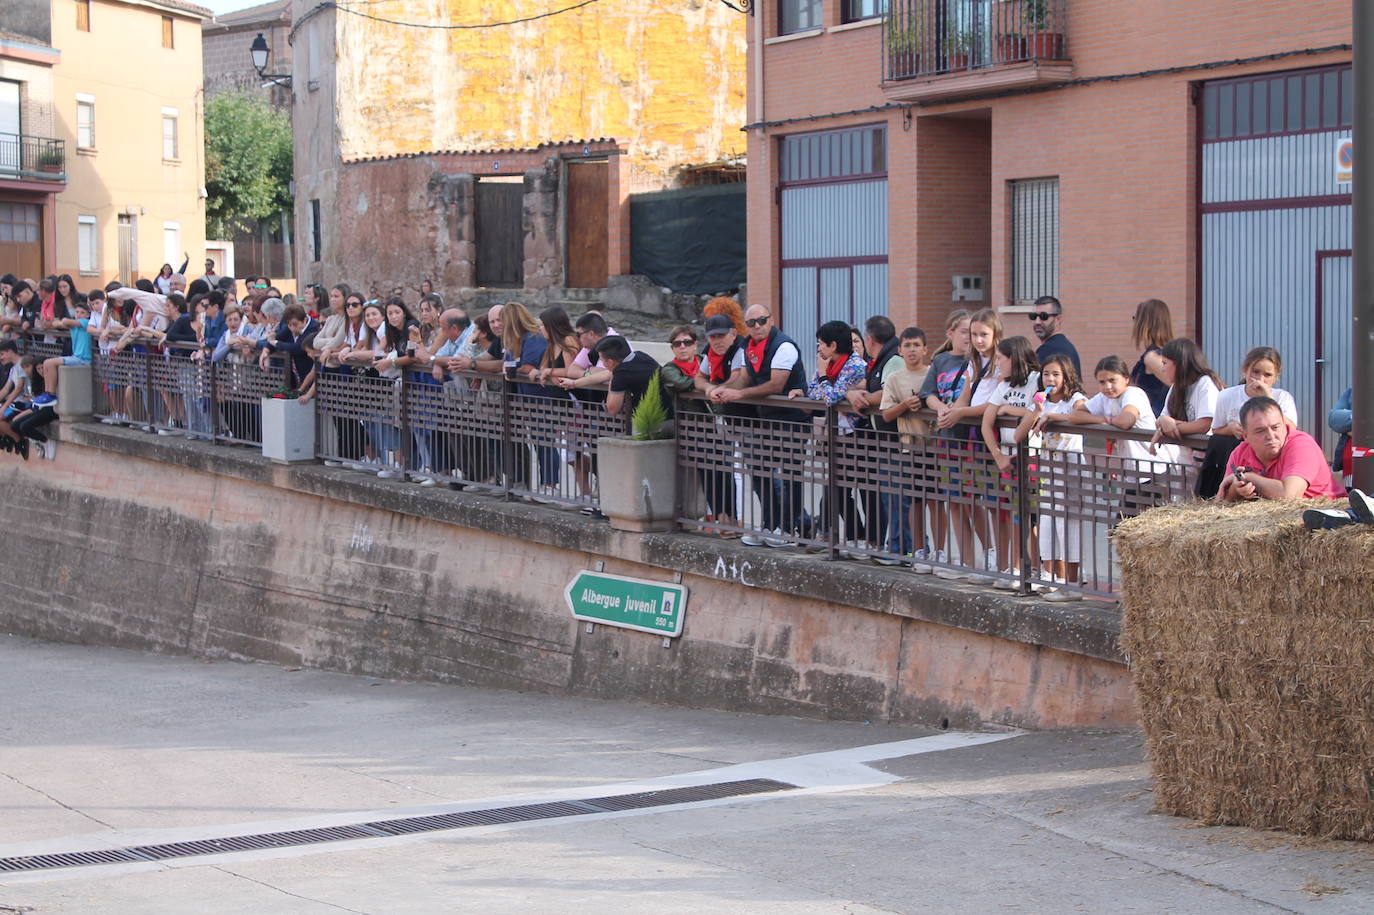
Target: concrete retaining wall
187	548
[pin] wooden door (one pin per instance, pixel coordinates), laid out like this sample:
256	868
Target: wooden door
500	233
588	247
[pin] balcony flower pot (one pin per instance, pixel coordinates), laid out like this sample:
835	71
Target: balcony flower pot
1044	46
956	62
288	430
1011	47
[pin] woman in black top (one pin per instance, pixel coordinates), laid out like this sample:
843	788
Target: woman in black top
1152	328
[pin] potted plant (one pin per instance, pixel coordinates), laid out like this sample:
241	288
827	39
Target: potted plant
904	28
49	160
639	472
958	46
1040	42
288	427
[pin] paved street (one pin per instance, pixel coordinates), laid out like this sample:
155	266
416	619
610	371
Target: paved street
101	749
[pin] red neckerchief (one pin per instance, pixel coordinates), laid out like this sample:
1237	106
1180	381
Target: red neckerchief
716	363
832	371
872	362
755	351
689	369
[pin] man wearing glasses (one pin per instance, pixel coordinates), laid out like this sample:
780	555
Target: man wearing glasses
1045	316
771	365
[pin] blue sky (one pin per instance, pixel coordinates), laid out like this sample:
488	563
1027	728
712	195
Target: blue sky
227	6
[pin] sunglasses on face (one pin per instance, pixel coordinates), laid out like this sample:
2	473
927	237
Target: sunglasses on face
757	322
1041	315
687	342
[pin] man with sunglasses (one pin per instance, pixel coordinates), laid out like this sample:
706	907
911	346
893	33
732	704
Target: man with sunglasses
1045	316
769	364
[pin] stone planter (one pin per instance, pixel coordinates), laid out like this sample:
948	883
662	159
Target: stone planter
288	430
638	483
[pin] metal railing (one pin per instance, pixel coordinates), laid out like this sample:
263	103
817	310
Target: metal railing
830	483
930	37
473	430
174	390
820	478
36	158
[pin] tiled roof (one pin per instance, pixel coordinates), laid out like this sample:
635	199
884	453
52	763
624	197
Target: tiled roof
600	143
7	35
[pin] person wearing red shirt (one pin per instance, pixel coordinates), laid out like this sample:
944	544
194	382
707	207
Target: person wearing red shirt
1274	461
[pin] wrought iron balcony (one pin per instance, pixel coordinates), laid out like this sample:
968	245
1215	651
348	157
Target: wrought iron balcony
927	38
29	158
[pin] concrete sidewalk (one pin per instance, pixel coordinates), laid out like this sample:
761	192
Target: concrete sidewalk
100	747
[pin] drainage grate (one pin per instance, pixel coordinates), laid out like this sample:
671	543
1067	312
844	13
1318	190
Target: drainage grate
405	826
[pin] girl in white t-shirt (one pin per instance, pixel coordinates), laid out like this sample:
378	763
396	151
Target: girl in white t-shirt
1125	406
1260	372
1020	379
980	380
1060	465
1192	399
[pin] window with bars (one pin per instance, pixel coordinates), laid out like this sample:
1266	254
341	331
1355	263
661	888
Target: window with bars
833	155
1278	103
1034	239
798	15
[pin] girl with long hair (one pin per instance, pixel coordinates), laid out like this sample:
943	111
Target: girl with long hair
1061	456
1151	328
1193	389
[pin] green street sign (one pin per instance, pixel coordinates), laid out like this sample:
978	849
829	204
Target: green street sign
631	603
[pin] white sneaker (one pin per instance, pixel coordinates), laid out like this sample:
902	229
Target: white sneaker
751	540
429	481
333	463
981	577
920	564
388	474
110	421
1062	595
777	540
360	468
50	450
1009	583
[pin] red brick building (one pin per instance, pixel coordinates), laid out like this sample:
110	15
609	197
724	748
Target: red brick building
1101	152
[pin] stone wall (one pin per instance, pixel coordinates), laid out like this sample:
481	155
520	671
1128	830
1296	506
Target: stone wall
213	552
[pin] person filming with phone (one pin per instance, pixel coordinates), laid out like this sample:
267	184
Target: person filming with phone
1274	461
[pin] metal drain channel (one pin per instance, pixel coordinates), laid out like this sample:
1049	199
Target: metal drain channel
379	829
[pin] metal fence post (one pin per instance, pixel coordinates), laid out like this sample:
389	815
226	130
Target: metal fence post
148	389
403	422
832	491
1022	522
507	443
216	431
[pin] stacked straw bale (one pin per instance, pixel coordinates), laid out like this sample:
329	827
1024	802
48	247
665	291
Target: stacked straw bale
1251	641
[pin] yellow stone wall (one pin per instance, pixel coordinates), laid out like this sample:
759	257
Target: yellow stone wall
666	78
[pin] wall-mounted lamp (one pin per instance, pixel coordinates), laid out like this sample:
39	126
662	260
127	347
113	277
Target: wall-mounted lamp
261	52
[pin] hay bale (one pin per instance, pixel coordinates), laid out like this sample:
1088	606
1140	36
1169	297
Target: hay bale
1251	642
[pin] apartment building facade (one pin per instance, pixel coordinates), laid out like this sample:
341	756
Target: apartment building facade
915	156
129	107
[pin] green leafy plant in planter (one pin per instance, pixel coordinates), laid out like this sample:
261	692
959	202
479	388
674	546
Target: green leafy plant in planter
650	414
49	160
958	46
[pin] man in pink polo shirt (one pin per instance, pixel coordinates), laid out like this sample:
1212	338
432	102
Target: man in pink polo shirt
1275	462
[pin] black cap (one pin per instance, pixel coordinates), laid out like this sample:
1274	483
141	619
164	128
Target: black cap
718	324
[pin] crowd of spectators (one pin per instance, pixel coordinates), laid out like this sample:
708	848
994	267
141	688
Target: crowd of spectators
969	398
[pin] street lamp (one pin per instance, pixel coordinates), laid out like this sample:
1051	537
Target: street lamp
260	52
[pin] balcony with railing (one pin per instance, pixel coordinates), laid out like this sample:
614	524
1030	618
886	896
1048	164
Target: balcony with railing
29	158
934	48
